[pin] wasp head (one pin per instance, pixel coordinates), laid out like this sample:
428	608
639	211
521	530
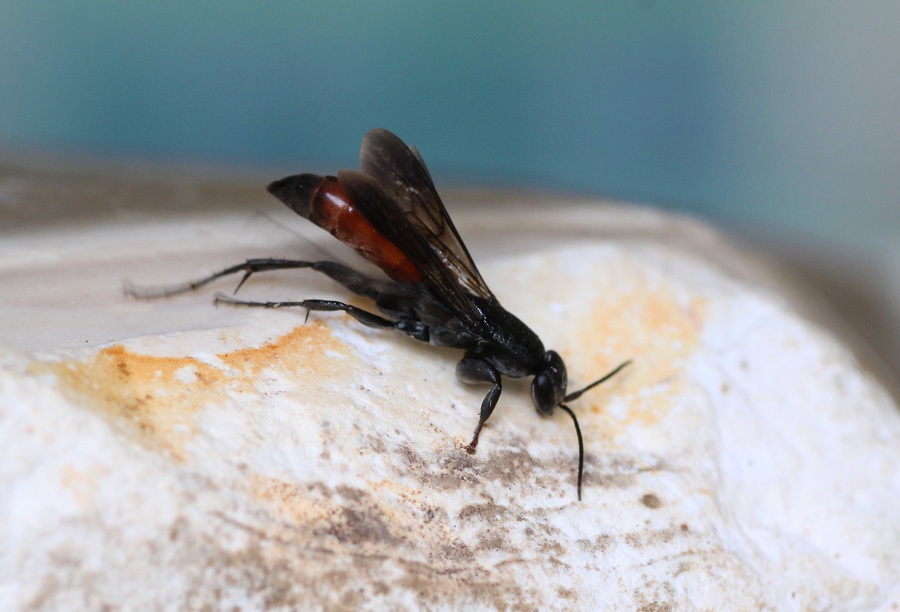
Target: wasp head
548	389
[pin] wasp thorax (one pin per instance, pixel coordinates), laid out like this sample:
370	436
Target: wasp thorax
549	385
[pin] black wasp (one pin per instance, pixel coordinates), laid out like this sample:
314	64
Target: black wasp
391	214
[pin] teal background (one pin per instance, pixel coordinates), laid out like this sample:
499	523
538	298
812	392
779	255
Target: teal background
784	114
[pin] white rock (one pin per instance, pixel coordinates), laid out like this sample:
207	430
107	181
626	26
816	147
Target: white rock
247	459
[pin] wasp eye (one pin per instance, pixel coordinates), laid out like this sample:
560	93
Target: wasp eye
549	385
542	393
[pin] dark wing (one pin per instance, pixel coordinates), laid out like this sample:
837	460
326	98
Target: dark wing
406	180
396	195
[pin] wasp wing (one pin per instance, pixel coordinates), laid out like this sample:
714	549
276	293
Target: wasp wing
406	180
396	195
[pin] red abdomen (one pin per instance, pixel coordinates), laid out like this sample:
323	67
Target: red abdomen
322	200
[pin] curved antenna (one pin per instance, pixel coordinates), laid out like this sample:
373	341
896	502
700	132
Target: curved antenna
576	394
580	446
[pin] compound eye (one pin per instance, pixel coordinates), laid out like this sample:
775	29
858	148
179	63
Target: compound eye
549	385
543	393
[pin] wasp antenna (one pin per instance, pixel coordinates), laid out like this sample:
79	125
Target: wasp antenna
576	394
580	447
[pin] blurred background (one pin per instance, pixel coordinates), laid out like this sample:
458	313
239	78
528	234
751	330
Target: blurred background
780	120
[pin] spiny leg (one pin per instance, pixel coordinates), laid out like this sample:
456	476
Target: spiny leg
416	329
357	282
351	279
473	369
248	268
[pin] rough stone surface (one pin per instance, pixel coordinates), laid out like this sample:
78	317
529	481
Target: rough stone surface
188	457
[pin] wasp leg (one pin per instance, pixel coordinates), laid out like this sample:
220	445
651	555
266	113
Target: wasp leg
357	282
348	277
411	327
248	268
473	369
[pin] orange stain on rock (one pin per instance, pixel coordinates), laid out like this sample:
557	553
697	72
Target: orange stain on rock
298	503
157	398
658	332
289	352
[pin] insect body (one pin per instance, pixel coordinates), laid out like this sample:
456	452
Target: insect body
391	214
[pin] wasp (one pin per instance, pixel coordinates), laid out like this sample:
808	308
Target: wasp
390	213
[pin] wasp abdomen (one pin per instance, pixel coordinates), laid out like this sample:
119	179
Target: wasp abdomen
322	200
